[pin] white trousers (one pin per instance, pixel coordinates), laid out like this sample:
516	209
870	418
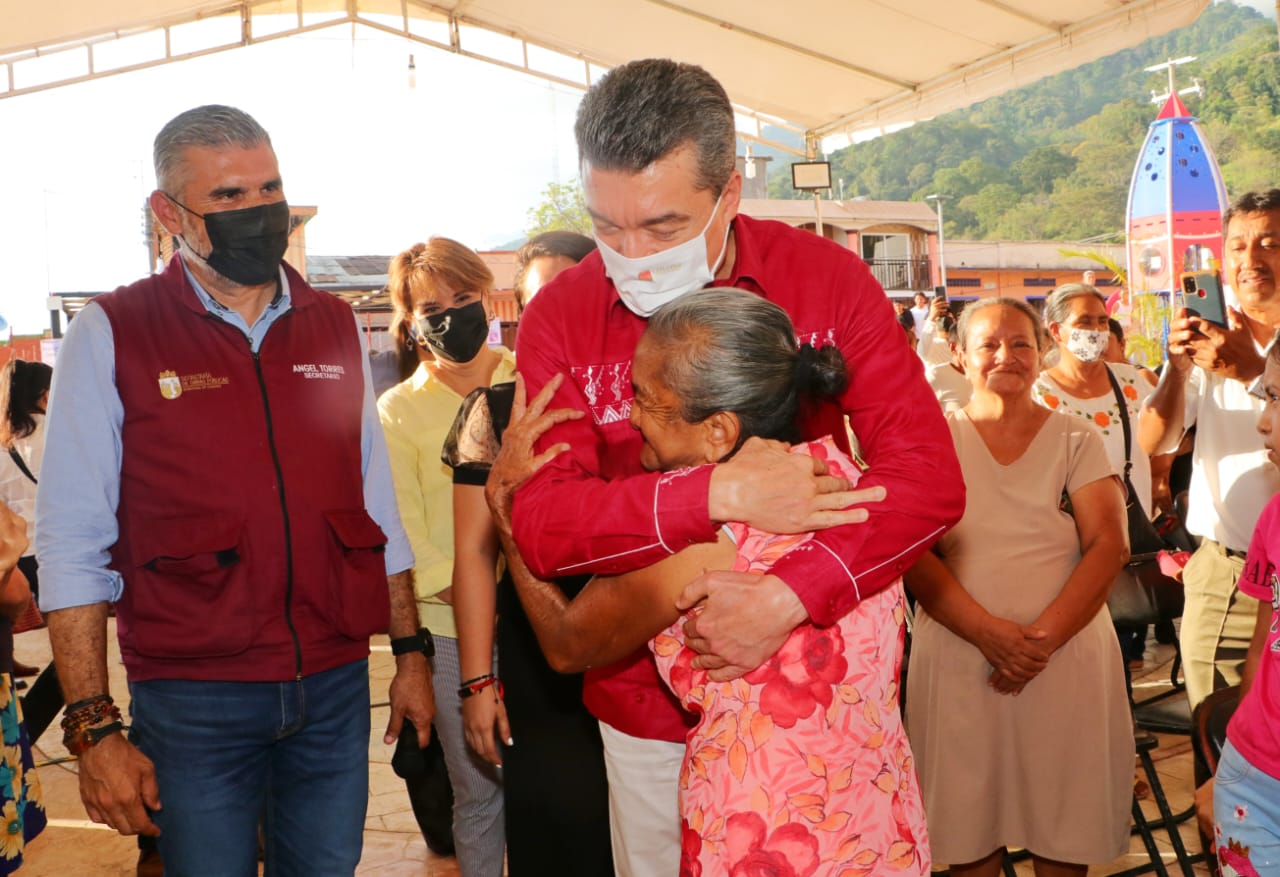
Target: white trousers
644	808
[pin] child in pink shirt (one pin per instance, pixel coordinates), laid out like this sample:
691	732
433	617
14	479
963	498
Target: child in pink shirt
1246	787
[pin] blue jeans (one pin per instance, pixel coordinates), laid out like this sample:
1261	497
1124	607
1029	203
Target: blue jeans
1246	816
225	753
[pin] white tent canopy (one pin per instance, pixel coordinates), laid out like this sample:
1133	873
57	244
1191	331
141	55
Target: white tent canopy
824	68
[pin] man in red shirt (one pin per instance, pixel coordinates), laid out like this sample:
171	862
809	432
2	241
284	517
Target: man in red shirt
657	146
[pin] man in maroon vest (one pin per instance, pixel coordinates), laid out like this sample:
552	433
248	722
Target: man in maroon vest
216	468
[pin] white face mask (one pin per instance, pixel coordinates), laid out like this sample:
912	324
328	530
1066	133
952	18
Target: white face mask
1087	345
647	283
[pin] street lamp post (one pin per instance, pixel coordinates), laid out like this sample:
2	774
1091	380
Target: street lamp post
942	261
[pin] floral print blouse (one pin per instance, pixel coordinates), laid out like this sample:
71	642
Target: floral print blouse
802	767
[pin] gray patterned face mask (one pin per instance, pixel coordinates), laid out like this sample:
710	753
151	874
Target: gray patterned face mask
457	334
1087	345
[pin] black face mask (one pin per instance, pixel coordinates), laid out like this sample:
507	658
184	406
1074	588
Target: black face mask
247	245
457	334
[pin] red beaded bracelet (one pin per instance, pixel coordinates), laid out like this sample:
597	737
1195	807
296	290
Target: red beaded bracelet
479	684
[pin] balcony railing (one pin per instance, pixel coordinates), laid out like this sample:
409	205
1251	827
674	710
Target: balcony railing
902	274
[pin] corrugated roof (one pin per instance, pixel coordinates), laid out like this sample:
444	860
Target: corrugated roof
824	67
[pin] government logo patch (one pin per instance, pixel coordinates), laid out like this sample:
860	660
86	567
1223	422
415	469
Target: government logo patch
170	385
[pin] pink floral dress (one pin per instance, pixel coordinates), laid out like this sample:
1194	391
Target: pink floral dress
802	767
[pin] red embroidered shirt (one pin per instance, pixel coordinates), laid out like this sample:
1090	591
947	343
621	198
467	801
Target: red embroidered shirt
595	510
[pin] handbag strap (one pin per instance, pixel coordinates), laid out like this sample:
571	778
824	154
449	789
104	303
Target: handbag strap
21	464
1124	424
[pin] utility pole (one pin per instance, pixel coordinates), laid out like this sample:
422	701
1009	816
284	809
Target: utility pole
942	261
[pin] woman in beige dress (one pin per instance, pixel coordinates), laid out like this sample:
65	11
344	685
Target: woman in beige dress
1016	705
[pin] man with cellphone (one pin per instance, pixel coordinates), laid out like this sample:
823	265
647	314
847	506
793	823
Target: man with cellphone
920	312
934	344
1206	383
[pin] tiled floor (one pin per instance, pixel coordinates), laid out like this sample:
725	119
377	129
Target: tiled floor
74	847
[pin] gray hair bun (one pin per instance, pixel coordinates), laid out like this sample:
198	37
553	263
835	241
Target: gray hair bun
821	373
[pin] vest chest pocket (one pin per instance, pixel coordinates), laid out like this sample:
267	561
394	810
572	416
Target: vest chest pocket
360	602
190	594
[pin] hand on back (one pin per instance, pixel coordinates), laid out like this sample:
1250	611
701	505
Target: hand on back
767	487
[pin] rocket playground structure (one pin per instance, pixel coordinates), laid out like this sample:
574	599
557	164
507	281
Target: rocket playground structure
1174	224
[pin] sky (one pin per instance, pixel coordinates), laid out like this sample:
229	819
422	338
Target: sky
1266	7
465	153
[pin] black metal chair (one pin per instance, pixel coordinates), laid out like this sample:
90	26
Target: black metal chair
1168	821
1167	712
1209	734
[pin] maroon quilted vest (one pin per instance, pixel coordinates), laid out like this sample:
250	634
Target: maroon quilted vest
245	547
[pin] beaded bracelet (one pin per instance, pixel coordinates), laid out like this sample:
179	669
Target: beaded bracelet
71	729
82	725
479	684
89	702
87	714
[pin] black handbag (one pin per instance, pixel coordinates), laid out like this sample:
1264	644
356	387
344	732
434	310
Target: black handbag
1141	594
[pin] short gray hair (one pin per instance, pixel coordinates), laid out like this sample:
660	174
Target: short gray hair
727	349
966	317
212	125
643	110
1058	304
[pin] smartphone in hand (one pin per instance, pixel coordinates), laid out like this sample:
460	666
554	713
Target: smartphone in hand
1203	296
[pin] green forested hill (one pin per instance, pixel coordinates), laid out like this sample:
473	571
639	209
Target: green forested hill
1053	160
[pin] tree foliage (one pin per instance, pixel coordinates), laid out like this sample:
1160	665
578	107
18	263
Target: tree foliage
1053	160
562	208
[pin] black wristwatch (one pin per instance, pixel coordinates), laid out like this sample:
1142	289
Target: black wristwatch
419	642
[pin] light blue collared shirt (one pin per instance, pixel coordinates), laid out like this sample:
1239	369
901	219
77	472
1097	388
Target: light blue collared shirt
80	476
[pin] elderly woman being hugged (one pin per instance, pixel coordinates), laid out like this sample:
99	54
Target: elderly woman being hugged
802	765
1014	661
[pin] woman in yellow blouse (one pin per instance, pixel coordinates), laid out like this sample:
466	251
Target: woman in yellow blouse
440	291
